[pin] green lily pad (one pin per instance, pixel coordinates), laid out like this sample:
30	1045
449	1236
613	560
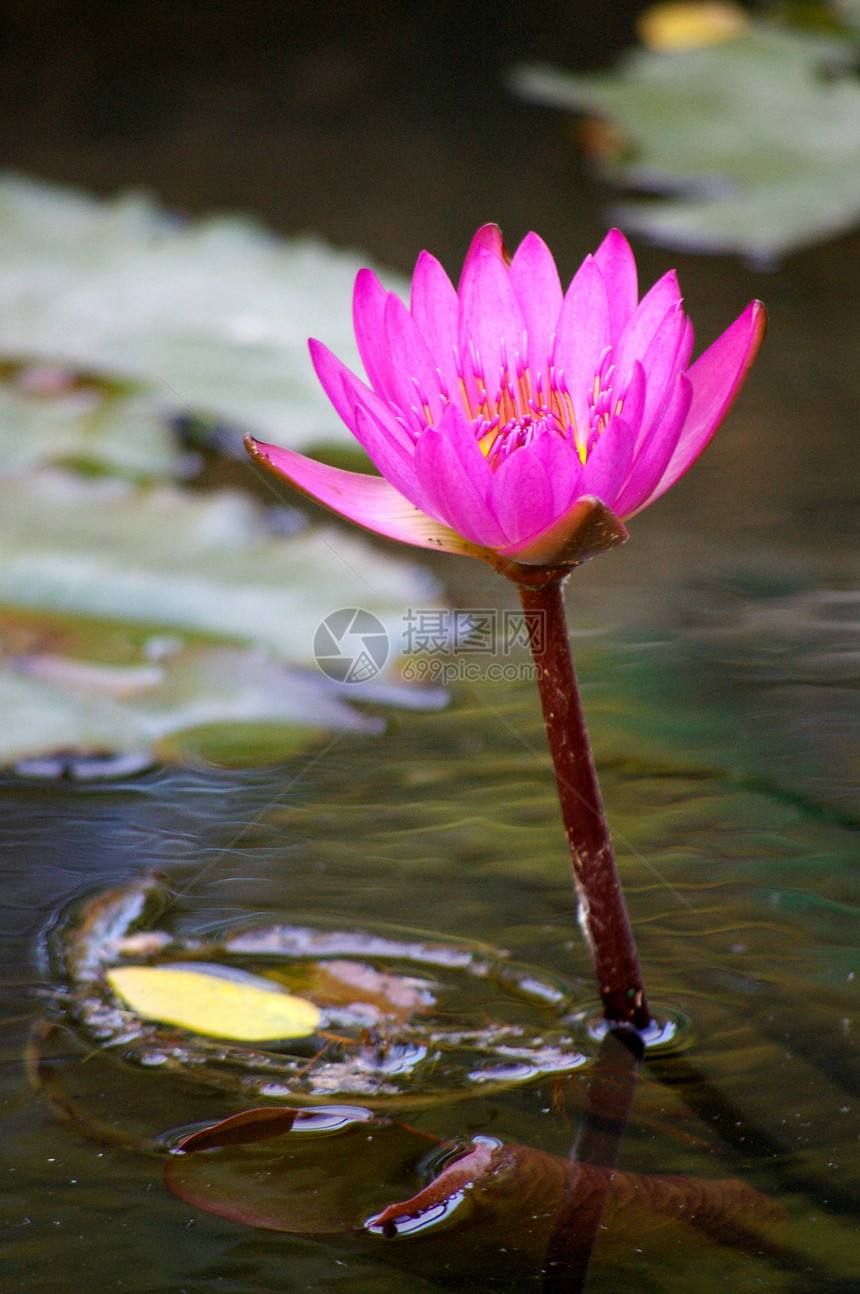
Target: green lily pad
209	317
178	626
755	141
226	705
114	320
89	426
210	563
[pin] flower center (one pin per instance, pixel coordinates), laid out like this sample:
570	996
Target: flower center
526	407
522	408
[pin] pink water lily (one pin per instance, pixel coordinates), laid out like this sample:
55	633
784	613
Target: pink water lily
513	421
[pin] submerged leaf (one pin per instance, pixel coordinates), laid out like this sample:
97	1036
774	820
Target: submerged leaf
305	1181
756	141
520	1193
487	1199
209	1001
267	1121
242	1129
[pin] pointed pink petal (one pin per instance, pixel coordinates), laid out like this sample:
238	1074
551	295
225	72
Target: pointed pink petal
356	395
521	494
347	393
456	479
369	501
491	322
716	377
436	311
536	284
586	529
368	312
488	238
581	339
685	349
617	264
388	456
331	372
655	451
643	324
394	353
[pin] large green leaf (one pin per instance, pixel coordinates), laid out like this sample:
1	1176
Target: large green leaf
210	317
240	603
756	141
114	319
224	704
88	425
207	562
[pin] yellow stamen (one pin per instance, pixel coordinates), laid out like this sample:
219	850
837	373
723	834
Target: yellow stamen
486	442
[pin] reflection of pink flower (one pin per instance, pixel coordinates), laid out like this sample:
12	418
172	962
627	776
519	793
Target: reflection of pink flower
504	415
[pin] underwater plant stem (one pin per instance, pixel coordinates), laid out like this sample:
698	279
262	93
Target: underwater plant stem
603	914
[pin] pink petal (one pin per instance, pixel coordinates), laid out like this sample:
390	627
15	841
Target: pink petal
412	378
436	311
347	392
581	339
633	405
685	349
609	462
660	360
395	355
716	377
617	264
491	322
655	451
368	312
356	395
488	238
536	284
455	477
563	468
642	325
369	501
521	494
388	456
330	372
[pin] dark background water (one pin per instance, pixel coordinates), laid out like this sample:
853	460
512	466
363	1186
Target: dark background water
721	678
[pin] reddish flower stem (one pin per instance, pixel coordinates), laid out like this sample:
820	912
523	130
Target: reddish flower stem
611	1088
603	914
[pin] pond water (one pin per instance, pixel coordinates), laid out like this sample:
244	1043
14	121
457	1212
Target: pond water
723	713
719	655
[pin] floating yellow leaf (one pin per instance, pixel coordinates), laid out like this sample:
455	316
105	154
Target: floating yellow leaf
690	26
216	1001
